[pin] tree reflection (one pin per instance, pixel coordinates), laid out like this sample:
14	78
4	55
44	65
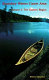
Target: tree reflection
6	27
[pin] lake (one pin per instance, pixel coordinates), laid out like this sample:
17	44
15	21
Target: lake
24	33
15	38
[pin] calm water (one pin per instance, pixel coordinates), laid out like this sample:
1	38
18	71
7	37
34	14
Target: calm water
25	33
15	38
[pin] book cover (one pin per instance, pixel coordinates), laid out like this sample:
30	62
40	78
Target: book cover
24	40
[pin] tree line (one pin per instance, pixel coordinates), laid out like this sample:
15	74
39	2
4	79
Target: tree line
13	17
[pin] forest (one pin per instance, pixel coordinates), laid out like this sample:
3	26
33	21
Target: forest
9	16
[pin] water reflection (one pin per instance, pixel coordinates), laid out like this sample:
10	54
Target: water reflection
24	32
6	27
31	31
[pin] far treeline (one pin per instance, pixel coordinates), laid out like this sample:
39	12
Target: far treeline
13	17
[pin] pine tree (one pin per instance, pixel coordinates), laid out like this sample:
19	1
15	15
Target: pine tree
5	8
10	10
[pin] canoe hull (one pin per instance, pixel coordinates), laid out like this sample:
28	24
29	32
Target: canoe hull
16	69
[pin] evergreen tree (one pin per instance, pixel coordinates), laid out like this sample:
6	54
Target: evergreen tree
5	8
10	10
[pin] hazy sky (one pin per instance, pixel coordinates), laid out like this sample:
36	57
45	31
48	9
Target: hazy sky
29	13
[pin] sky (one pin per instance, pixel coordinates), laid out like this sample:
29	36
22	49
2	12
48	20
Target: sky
42	14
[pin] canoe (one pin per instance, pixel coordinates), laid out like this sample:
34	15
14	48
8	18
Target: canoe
27	58
31	52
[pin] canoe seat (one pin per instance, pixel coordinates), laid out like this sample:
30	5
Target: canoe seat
29	55
33	50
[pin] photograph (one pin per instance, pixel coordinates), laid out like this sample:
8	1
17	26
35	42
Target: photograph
24	40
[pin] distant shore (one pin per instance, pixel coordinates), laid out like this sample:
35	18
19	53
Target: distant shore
13	17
